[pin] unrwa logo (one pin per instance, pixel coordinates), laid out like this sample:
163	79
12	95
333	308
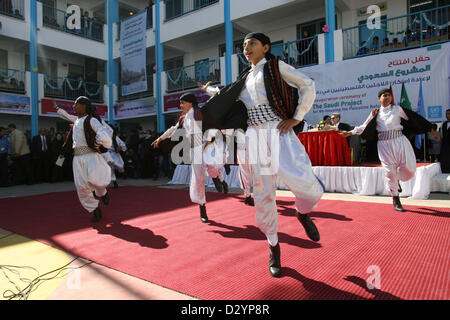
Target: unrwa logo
73	20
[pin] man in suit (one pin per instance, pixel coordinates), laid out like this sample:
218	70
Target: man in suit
336	119
41	155
444	157
20	153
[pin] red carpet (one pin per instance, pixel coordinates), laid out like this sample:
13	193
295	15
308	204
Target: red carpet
156	235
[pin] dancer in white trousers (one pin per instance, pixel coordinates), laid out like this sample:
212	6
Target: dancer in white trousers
113	157
91	172
206	158
394	149
268	91
242	150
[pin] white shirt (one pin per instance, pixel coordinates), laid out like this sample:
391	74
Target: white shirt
79	139
254	91
388	119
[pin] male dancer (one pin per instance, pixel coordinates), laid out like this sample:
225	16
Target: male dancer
242	151
389	124
265	94
190	120
91	172
113	157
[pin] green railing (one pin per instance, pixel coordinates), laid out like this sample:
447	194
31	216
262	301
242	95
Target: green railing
12	80
70	89
413	30
178	8
187	77
90	28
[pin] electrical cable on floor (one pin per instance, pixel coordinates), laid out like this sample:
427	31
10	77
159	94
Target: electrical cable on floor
23	294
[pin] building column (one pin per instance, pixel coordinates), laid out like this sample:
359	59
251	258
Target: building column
329	36
112	74
161	126
228	41
34	94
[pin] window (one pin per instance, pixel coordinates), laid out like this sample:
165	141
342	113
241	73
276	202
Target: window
75	71
420	5
173	63
3	59
46	66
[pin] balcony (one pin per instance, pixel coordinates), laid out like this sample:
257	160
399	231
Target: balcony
70	89
139	95
414	30
186	77
298	53
12	81
178	8
90	28
12	8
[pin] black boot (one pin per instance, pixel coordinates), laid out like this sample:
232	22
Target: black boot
310	227
217	184
97	215
249	201
105	199
225	186
274	261
116	185
397	204
203	215
227	169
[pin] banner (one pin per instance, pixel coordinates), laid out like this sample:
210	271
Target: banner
172	101
48	110
350	87
135	109
133	53
13	104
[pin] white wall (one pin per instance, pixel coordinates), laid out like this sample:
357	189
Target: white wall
195	21
242	8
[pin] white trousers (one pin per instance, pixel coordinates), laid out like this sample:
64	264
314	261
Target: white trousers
91	173
398	160
245	170
210	165
287	160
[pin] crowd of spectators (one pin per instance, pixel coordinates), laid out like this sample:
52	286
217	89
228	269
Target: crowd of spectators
29	160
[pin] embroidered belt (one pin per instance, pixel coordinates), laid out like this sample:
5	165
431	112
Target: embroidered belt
260	114
79	151
388	135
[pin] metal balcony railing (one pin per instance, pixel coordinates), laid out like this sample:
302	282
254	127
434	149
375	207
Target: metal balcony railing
184	78
413	30
12	8
90	28
178	8
302	52
12	80
70	89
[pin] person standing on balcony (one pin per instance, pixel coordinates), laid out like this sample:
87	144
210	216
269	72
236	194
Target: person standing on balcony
271	97
390	125
191	120
90	171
